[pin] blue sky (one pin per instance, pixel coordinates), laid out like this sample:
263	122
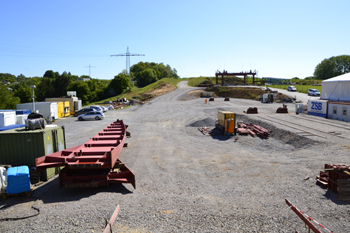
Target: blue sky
282	39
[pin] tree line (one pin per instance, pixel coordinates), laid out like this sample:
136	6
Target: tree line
14	90
332	67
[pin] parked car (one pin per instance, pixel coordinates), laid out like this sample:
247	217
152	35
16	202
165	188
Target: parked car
104	108
83	111
95	115
314	92
292	88
97	107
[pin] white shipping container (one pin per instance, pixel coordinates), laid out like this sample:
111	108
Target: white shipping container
47	109
339	111
20	119
7	118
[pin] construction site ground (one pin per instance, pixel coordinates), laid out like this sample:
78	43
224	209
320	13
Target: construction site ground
189	182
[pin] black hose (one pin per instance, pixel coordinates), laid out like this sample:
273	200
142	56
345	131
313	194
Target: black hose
25	217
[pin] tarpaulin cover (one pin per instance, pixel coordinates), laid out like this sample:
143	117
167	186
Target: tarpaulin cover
337	88
18	180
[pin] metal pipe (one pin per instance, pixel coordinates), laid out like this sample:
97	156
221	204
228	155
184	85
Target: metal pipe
33	97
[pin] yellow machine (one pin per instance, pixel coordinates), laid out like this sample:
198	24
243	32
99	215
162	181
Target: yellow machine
227	121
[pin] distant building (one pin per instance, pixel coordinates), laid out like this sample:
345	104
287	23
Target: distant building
84	79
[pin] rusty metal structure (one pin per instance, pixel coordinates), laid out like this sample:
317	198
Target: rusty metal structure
252	110
225	73
253	130
94	163
283	109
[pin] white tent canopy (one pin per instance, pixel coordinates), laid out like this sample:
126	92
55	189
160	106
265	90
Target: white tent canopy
337	88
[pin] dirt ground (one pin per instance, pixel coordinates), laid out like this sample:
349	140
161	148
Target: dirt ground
158	91
189	182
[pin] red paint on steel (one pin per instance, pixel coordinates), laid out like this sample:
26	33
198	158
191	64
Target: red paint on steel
225	73
93	163
111	221
101	151
302	217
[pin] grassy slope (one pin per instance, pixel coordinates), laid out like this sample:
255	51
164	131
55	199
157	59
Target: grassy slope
135	91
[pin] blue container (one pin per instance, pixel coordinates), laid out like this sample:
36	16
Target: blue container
18	180
23	111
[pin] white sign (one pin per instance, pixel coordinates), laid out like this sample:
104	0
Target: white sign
317	107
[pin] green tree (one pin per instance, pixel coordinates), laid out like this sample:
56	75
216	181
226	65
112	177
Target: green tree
146	77
332	67
120	83
49	74
45	89
161	70
24	93
7	99
60	84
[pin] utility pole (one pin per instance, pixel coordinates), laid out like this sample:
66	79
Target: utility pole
90	69
127	55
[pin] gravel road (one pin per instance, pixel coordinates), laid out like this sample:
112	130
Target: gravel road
188	182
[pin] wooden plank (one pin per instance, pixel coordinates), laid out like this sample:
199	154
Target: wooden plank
347	172
341	189
343	181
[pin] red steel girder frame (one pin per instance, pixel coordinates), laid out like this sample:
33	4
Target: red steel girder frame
225	73
101	151
94	163
85	178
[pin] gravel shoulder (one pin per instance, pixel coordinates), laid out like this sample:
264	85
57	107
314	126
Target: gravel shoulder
188	182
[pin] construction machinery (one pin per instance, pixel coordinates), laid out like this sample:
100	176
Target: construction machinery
226	122
94	163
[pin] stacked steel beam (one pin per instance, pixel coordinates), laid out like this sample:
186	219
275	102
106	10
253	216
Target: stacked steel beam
94	163
254	130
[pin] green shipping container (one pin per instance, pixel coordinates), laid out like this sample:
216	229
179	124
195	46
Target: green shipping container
21	147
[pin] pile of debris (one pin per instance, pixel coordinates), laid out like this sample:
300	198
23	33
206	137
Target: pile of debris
337	179
253	130
287	99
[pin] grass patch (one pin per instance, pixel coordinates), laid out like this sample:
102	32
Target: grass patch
135	91
194	82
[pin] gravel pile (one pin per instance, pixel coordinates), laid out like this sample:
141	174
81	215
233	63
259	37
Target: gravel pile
189	182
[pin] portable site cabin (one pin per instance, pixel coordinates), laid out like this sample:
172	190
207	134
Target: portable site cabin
63	108
337	92
7	117
47	109
74	103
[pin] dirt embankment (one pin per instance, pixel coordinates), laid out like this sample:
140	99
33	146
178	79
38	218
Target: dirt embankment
241	92
158	91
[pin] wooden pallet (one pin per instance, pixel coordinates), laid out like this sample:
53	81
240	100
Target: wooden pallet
4	195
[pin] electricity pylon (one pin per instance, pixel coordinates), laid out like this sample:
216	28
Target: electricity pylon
90	69
127	55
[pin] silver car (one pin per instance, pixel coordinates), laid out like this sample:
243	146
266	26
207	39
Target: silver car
92	116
